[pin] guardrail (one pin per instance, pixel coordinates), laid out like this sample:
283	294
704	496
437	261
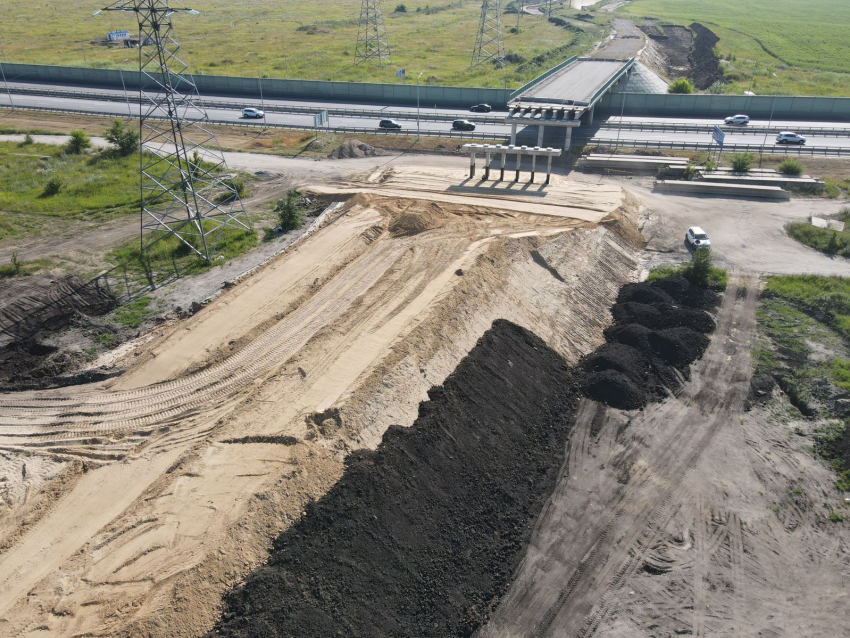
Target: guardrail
271	108
611	81
466	135
785	149
675	127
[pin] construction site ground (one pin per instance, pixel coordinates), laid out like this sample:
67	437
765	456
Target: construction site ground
132	505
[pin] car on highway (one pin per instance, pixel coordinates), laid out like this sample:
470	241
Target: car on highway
737	119
463	125
389	124
789	137
481	108
252	112
697	238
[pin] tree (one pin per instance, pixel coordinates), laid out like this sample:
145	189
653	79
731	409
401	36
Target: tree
717	87
126	140
289	212
78	143
700	268
832	246
682	85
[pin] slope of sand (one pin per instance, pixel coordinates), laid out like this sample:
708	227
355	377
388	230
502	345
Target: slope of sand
180	471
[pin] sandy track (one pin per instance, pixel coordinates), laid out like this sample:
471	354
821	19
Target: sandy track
226	424
660	526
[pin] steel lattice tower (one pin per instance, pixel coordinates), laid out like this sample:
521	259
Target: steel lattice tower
489	43
371	35
186	188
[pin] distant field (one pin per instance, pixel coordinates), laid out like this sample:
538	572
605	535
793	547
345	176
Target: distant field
307	40
812	37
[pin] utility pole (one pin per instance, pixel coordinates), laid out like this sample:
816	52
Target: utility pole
770	121
262	102
186	189
2	70
126	96
417	103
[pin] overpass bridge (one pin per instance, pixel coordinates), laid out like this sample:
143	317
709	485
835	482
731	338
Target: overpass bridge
564	95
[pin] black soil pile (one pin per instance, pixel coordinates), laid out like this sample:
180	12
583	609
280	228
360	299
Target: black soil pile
705	67
421	537
659	330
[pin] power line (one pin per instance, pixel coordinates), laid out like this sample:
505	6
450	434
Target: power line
489	43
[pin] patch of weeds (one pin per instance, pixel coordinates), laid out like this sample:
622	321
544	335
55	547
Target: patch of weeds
134	313
106	339
836	517
700	272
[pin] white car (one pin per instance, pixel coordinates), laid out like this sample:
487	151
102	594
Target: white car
697	238
252	112
738	119
789	137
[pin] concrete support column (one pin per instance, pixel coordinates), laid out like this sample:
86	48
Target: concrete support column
590	115
540	130
549	170
518	160
533	166
568	139
504	157
472	165
487	165
513	134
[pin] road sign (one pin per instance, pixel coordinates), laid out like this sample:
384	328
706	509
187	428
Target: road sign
718	136
320	119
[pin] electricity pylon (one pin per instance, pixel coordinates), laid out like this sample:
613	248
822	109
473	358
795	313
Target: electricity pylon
489	43
371	35
187	190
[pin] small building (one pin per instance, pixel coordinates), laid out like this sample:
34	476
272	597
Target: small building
117	36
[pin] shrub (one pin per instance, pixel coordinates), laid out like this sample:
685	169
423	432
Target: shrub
790	166
78	143
831	242
126	140
400	8
52	187
289	212
742	162
16	263
682	85
27	140
717	87
710	165
689	172
700	270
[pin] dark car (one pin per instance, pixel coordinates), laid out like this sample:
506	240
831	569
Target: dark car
463	125
481	108
389	124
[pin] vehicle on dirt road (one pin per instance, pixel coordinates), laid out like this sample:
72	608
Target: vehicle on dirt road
789	137
463	125
252	112
697	238
481	108
389	124
738	119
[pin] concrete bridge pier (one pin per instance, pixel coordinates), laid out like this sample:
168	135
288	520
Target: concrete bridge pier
590	115
504	158
568	138
534	163
548	170
513	134
487	164
471	165
540	130
518	160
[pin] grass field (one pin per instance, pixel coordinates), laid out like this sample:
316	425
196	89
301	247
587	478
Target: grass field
805	43
96	187
302	40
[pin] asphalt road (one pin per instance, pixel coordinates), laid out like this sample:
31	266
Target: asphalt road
365	117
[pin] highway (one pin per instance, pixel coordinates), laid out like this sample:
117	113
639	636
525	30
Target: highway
824	138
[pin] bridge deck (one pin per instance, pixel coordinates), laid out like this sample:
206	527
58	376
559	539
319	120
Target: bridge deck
575	84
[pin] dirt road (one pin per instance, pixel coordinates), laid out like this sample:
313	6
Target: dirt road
663	520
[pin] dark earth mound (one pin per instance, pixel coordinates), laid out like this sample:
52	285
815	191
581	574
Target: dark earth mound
659	330
421	537
705	67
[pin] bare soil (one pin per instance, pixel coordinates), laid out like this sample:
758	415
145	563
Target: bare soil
682	52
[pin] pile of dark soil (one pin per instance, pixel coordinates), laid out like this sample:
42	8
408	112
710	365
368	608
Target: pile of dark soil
421	537
659	330
356	148
705	67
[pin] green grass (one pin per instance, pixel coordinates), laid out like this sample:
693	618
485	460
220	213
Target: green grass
831	242
304	40
133	314
805	43
95	188
829	296
718	277
841	373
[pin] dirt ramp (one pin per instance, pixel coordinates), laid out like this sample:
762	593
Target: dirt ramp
421	537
